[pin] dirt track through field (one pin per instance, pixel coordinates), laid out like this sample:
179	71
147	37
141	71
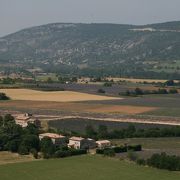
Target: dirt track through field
127	120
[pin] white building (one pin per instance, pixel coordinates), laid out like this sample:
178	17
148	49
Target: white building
103	144
76	142
81	143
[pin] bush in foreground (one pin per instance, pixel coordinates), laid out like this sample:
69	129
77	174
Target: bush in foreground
162	161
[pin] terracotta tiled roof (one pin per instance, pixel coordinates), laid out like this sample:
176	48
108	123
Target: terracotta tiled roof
51	135
103	142
76	138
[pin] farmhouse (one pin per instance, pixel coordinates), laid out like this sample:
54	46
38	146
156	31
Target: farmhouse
24	119
57	139
103	144
76	142
81	143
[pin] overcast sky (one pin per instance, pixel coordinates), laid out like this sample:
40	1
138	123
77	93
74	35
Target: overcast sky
18	14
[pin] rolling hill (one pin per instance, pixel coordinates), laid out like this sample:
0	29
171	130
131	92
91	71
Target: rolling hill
108	49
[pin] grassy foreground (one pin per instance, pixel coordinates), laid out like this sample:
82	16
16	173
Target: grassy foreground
83	167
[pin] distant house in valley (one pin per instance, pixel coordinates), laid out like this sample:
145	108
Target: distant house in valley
81	143
24	119
103	144
76	142
57	139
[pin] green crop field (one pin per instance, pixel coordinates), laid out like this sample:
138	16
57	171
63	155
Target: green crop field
151	146
83	167
152	143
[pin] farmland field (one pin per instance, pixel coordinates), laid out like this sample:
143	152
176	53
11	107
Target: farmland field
152	143
57	96
76	107
150	146
83	167
79	124
163	109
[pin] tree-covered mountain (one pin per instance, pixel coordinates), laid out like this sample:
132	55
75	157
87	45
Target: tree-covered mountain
111	49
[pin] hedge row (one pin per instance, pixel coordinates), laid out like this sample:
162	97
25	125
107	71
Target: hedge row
120	149
69	152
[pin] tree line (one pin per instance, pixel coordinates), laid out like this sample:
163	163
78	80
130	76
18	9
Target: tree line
131	131
139	91
111	151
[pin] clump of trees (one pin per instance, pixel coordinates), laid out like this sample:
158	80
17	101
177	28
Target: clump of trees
101	133
14	138
162	161
172	83
101	91
3	96
108	84
138	92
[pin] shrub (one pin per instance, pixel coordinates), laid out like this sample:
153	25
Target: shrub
101	91
62	154
173	91
23	150
162	91
107	84
34	152
120	149
99	151
109	152
135	148
141	162
132	156
75	152
138	91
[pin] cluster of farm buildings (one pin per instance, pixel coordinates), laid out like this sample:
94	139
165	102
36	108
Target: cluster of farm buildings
75	142
60	140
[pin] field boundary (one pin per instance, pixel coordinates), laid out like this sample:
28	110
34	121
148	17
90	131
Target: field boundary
123	120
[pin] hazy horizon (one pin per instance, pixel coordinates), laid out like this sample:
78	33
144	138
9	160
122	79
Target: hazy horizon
21	14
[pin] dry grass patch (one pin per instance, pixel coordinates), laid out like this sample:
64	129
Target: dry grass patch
56	96
8	157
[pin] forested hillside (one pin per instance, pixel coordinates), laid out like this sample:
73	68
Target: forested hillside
104	49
